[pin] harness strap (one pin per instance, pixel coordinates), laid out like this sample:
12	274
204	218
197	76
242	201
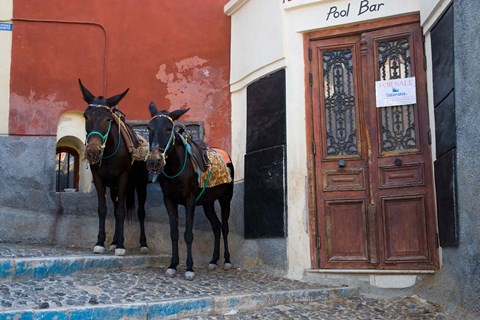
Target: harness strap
204	187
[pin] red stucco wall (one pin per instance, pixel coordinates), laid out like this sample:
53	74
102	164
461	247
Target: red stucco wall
175	53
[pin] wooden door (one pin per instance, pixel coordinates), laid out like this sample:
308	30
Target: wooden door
373	169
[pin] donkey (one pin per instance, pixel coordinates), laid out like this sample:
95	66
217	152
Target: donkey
170	160
111	166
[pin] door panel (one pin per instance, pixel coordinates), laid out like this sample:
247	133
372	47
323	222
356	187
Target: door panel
373	170
405	231
346	230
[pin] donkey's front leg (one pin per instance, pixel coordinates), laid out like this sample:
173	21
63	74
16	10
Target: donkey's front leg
172	210
188	236
120	214
102	213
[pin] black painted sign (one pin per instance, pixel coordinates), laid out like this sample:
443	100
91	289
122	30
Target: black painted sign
194	127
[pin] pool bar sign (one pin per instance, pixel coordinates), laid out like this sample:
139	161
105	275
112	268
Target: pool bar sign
395	92
5	26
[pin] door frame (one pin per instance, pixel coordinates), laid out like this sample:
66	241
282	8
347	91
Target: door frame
338	31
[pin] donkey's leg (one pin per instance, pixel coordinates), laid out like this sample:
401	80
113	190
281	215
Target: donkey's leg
172	210
142	198
120	214
113	197
102	213
188	236
225	208
209	210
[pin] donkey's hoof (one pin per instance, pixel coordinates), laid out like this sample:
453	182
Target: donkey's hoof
171	273
112	247
212	266
144	250
189	275
227	266
98	249
120	252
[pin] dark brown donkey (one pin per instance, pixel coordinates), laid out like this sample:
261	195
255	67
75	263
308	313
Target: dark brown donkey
111	165
171	159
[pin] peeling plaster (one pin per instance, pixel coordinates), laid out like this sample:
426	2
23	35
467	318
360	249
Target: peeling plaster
202	88
35	115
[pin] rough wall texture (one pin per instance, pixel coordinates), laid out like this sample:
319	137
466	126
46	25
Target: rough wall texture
175	53
457	284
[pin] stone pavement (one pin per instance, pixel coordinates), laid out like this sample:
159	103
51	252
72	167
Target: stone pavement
59	283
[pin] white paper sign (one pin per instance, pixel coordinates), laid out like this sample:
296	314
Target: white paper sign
396	92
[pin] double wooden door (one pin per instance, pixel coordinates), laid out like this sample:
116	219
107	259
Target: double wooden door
372	165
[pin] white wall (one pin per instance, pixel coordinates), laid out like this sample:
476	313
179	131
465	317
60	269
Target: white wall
6	13
268	35
256	51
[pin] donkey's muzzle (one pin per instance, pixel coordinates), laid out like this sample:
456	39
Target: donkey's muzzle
94	153
155	162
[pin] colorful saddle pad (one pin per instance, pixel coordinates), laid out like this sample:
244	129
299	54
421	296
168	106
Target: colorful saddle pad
219	172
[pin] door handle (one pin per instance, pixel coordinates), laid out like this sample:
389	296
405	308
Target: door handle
342	163
398	162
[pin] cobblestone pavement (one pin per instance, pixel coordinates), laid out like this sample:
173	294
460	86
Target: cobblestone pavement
143	285
150	285
351	308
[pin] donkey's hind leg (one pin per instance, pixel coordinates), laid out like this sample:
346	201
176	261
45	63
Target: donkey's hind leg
209	210
142	198
225	210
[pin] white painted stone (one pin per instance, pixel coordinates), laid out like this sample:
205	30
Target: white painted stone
392	281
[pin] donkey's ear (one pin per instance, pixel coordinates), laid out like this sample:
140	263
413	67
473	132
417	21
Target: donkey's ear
178	113
113	101
153	109
87	95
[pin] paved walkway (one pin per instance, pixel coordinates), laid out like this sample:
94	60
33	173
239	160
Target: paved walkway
141	291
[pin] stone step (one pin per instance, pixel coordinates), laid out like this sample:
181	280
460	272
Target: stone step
19	262
47	282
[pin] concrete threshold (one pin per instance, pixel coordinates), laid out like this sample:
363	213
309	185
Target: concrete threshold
387	279
368	271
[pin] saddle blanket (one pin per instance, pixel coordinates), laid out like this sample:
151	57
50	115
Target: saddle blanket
219	172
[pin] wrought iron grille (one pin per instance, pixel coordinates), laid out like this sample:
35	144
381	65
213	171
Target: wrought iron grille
398	123
339	98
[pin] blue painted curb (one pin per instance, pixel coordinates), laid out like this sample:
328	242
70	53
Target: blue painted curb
170	309
44	267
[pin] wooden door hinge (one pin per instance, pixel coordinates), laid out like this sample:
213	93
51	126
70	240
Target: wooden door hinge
310	54
310	79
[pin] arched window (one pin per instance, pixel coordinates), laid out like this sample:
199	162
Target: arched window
66	169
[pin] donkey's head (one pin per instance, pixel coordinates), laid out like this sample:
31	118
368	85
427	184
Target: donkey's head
98	122
161	136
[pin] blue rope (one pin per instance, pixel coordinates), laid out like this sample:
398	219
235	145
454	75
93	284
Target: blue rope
204	187
181	170
104	137
118	146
